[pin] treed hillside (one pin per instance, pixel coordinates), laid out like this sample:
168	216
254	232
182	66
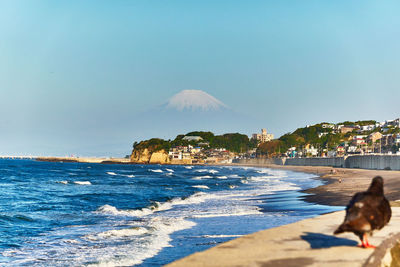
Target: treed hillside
234	142
316	135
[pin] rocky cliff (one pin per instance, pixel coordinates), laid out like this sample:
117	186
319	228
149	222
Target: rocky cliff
152	151
146	156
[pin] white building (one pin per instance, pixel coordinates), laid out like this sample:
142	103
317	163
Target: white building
192	138
322	134
175	154
263	137
397	139
328	126
367	128
391	123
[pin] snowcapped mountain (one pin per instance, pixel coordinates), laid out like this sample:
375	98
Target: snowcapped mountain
194	100
186	111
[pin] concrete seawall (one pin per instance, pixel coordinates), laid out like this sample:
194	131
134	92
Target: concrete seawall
372	162
305	243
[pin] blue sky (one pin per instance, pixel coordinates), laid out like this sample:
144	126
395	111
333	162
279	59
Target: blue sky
73	73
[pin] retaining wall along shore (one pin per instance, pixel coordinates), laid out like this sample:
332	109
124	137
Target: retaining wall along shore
373	162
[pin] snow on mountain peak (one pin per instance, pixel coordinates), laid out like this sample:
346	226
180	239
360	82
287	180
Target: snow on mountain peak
194	100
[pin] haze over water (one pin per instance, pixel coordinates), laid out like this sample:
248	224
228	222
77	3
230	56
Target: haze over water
81	214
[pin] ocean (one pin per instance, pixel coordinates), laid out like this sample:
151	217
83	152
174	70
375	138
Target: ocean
77	214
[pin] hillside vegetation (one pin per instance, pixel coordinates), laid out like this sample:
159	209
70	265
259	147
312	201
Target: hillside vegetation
234	142
316	135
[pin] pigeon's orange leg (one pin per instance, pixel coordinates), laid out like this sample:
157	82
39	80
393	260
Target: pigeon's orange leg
365	243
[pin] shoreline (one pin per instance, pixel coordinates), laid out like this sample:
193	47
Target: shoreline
340	184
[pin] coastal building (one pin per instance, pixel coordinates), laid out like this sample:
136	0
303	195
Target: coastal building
367	128
359	140
263	137
186	155
328	126
397	139
348	129
175	155
310	150
379	124
387	140
195	150
203	144
192	138
373	137
352	150
340	151
331	153
291	152
322	134
392	123
180	149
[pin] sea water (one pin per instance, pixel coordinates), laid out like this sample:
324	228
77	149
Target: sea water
78	214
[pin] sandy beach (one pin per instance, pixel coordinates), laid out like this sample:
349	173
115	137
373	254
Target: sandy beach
343	183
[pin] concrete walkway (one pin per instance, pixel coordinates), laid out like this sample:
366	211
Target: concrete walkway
306	243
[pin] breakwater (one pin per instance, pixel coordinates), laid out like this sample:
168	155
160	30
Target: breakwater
372	162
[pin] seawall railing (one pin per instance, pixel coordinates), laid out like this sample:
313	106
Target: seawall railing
373	162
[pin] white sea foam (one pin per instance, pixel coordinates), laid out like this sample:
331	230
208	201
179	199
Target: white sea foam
62	182
201	186
158	170
213	171
202	177
189	167
127	175
220	236
170	170
201	170
111	210
123	232
83	182
151	245
119	247
156	207
222	177
229	211
111	173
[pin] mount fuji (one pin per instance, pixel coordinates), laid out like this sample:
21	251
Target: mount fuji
186	111
195	100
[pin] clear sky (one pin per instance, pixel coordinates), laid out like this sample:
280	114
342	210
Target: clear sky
72	72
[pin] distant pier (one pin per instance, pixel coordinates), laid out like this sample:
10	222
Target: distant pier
17	157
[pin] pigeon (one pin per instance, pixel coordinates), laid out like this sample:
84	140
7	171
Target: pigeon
367	211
